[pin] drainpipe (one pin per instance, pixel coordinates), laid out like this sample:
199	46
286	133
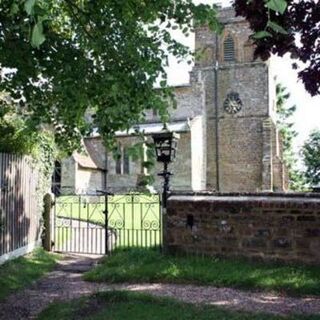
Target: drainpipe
216	72
106	170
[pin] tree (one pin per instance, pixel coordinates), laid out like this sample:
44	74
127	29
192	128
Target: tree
311	158
62	60
287	26
285	126
65	60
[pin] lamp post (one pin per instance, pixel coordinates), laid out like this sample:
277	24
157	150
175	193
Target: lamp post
165	146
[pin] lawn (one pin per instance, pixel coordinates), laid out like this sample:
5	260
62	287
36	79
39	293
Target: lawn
21	272
146	265
120	305
134	218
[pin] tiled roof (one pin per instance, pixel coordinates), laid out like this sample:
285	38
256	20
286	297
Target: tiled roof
85	161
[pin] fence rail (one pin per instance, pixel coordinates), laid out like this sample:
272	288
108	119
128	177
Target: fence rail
19	214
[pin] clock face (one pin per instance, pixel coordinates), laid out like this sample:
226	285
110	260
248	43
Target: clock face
233	103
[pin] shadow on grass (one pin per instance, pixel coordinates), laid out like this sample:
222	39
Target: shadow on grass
21	272
127	305
148	265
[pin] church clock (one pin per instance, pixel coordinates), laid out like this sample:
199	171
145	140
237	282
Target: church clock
232	104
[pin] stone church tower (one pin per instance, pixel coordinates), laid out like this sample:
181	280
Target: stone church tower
242	142
225	117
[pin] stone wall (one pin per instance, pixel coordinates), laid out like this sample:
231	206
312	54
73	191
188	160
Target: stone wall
189	99
89	180
269	226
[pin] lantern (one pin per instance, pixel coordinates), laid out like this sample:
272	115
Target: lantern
165	145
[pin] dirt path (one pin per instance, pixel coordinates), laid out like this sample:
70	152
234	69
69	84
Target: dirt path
229	298
65	283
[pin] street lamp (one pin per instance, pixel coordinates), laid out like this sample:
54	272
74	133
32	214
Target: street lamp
165	146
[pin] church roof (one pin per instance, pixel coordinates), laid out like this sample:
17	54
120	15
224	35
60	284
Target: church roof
85	161
151	128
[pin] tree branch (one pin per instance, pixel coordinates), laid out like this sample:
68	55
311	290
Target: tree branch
71	6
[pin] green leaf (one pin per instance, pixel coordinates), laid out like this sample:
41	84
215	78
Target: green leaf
262	34
277	5
14	8
28	6
37	37
163	83
275	27
148	164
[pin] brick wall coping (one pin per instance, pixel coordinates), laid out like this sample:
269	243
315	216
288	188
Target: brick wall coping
250	195
256	200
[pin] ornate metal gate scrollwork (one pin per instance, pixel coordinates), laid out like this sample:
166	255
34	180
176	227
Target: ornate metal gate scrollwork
79	222
136	218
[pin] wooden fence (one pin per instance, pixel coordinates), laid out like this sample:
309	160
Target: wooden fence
19	210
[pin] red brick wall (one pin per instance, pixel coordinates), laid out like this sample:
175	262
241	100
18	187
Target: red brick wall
269	226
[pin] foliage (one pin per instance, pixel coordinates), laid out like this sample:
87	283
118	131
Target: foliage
284	113
146	265
131	305
65	60
287	26
17	136
311	158
44	154
21	272
14	134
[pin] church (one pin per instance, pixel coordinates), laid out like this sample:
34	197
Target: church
226	119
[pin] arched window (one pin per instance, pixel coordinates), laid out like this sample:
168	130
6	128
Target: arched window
228	49
118	160
126	161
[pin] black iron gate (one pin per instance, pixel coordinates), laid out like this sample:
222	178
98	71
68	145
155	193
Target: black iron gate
80	224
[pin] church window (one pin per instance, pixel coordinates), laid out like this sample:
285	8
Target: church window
122	161
126	161
229	49
118	165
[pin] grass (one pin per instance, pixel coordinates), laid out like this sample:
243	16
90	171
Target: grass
21	272
146	265
120	305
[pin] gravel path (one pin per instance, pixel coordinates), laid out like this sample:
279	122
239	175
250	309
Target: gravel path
229	298
65	283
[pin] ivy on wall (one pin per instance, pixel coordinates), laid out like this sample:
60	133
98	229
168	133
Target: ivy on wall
19	136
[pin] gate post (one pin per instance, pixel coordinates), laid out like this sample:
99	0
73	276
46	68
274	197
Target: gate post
46	238
106	223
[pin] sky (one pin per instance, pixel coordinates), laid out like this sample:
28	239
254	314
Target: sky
307	116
